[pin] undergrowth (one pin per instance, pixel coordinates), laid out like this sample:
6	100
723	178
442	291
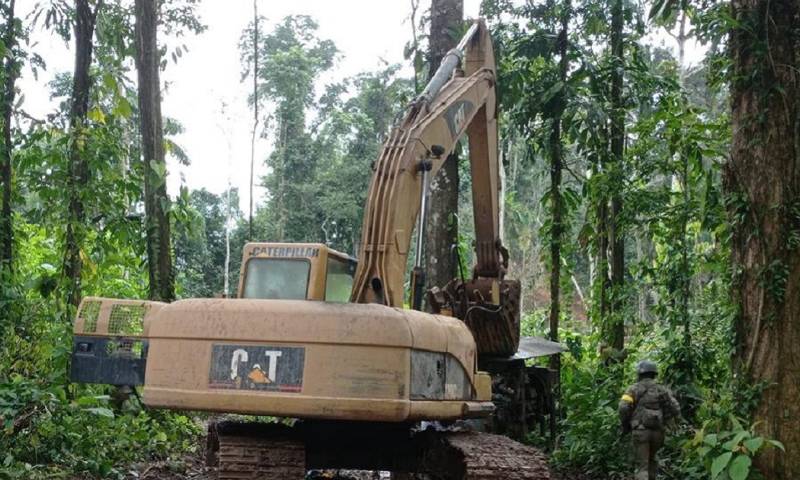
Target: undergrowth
51	428
717	443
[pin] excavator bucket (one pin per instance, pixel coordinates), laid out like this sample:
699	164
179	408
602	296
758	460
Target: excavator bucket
489	307
496	328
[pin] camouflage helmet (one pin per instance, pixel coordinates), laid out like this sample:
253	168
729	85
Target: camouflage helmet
646	366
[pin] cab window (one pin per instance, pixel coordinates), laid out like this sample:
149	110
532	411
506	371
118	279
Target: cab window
276	278
339	280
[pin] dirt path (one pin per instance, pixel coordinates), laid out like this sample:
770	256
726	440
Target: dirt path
194	468
191	467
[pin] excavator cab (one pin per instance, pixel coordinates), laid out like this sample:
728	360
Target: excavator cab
296	271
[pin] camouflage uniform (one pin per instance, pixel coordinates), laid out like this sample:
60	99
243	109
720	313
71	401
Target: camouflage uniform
644	409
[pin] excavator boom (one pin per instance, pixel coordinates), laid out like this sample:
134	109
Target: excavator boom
460	99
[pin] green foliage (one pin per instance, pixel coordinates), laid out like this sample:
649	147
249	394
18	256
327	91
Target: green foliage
347	138
319	173
50	427
46	435
200	246
728	454
673	213
591	436
291	58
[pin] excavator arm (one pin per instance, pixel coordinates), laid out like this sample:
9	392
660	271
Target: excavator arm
456	102
460	99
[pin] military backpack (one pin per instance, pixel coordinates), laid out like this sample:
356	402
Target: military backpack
648	413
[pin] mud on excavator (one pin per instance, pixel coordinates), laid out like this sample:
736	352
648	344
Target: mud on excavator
317	336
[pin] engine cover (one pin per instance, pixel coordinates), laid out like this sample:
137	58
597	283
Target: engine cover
306	359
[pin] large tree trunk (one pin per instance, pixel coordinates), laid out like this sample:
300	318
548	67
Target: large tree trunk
441	232
763	183
10	74
78	168
615	237
159	249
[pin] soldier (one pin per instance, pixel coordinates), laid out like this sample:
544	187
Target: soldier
643	410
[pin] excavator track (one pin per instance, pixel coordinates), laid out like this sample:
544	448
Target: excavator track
482	456
244	451
272	452
263	459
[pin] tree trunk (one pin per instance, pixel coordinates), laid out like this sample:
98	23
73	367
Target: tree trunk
159	251
226	285
762	180
557	204
686	272
255	121
441	232
603	284
11	70
78	168
615	237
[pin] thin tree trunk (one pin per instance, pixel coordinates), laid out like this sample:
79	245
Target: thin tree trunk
684	294
227	275
78	168
441	232
601	284
681	296
557	204
159	251
601	274
642	292
503	187
616	239
681	39
762	180
686	278
415	43
11	70
255	116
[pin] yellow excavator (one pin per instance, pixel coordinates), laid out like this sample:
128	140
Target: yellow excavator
317	336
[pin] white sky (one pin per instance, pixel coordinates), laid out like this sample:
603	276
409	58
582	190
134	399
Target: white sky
217	143
208	76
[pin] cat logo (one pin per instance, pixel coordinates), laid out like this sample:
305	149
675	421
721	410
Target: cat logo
251	367
256	374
